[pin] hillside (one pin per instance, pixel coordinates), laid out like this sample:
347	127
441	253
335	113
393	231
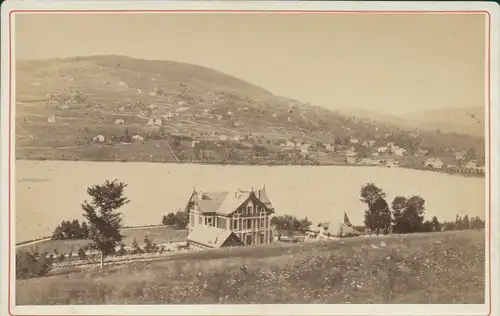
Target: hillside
460	120
432	268
63	104
449	120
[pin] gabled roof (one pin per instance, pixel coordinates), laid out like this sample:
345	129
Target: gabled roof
224	202
325	225
264	198
210	236
345	230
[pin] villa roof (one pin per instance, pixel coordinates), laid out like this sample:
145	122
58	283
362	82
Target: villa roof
225	202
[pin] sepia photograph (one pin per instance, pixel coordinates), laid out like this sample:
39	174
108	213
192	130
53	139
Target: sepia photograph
216	157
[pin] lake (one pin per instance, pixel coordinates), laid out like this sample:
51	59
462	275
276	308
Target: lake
48	192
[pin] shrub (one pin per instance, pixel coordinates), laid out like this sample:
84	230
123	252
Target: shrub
122	251
135	248
81	254
29	265
61	258
161	249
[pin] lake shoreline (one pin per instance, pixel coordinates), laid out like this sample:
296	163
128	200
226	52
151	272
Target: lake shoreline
246	164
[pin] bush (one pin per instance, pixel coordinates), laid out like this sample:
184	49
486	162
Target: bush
81	254
122	251
136	249
61	258
29	265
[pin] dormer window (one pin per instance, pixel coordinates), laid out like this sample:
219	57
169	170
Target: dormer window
249	209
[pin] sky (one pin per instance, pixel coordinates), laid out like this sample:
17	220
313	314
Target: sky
391	63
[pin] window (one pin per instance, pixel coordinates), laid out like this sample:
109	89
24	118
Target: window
200	220
249	209
235	224
191	220
249	223
261	238
262	222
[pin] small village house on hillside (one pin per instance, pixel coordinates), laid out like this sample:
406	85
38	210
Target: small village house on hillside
435	163
244	213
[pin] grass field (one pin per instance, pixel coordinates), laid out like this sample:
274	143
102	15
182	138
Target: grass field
420	268
162	234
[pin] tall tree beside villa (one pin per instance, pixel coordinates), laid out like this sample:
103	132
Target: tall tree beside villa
245	213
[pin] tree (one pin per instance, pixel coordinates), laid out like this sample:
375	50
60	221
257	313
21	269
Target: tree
81	254
465	222
149	246
84	230
408	214
136	249
378	215
477	223
414	213
169	219
458	222
370	193
181	219
32	264
58	233
398	207
105	221
427	227
436	225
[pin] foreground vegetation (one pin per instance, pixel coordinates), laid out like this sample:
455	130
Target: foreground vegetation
415	268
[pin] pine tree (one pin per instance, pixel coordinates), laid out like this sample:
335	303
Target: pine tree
135	247
105	222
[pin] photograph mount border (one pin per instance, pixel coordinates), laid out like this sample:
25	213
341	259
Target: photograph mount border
488	181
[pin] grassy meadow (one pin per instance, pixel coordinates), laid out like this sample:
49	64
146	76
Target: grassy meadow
434	268
159	235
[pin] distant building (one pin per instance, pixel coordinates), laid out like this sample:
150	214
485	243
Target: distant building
119	122
155	121
460	155
168	115
400	152
138	138
51	119
383	150
244	213
351	160
350	153
471	164
99	139
434	163
354	141
421	152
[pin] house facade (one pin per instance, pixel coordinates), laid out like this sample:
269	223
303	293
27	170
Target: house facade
245	213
